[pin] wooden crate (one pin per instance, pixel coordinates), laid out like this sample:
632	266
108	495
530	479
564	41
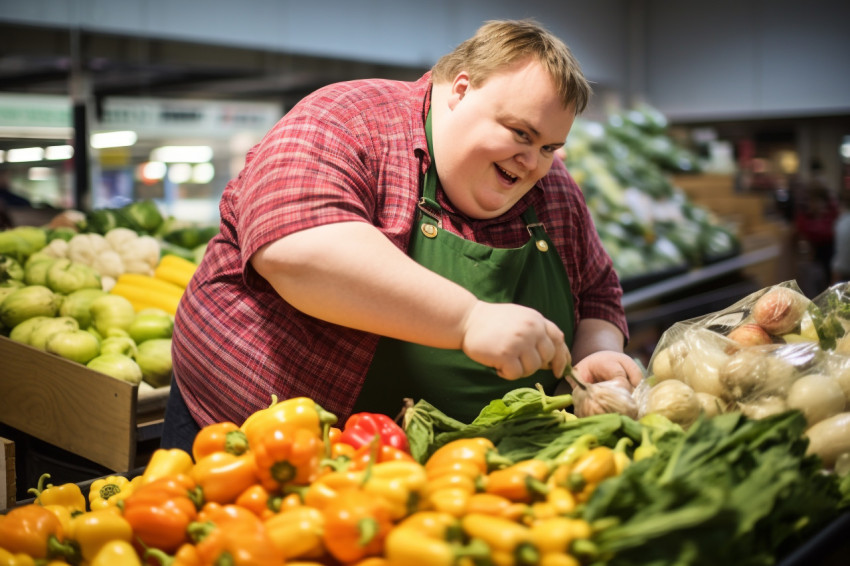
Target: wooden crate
85	412
705	185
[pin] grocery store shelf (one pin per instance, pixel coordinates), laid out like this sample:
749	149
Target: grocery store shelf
698	276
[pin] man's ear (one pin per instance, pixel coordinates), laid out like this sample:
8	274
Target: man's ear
460	85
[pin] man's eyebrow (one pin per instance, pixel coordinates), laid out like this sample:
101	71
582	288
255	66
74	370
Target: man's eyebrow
527	125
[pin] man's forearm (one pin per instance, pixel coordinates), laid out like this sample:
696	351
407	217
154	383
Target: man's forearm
351	274
593	335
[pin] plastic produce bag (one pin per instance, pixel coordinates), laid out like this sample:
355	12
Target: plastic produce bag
772	351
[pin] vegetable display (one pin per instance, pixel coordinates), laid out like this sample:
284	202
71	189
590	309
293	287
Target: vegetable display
105	299
647	224
526	483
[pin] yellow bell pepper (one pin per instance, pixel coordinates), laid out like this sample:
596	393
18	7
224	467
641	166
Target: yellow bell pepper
91	531
108	491
166	462
17	559
426	538
510	542
295	413
297	532
63	514
67	495
555	535
398	483
116	553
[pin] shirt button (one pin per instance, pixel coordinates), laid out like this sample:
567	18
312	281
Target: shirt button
542	245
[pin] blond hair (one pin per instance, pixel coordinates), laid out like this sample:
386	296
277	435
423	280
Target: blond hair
499	44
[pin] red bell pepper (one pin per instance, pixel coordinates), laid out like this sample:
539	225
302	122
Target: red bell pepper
361	428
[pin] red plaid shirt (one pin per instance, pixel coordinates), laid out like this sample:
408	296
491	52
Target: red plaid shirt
348	152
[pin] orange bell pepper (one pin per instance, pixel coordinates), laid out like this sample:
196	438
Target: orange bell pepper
161	511
186	555
521	482
223	476
260	501
229	534
30	529
286	455
481	452
219	437
356	524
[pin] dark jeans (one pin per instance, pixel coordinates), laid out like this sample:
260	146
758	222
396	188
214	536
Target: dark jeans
179	429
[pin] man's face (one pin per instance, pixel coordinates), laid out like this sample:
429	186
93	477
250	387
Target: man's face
494	142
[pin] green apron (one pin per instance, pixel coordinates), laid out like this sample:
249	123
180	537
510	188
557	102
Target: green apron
532	275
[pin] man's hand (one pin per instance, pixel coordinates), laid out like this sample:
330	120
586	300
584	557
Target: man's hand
609	366
515	340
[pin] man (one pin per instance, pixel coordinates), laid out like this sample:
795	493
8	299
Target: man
389	240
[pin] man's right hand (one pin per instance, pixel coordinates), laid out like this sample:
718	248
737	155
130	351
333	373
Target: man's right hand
515	340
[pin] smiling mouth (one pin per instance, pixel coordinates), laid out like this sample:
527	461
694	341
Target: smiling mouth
506	175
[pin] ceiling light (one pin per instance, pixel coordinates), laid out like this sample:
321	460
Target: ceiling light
55	152
153	171
182	153
23	154
113	139
203	173
40	173
179	173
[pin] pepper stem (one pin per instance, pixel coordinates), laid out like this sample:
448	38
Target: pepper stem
36	491
198	531
368	528
526	554
160	556
556	403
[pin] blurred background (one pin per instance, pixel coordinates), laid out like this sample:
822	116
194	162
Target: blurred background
103	103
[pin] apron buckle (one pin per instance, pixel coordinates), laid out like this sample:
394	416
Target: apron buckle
541	243
431	210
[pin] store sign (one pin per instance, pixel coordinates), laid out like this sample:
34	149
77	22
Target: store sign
150	116
21	112
182	117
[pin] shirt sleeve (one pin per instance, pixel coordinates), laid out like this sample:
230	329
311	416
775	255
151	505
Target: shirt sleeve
308	171
596	288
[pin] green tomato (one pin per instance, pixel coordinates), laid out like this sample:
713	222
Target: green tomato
42	332
78	305
66	276
118	345
111	312
27	302
36	268
150	327
76	345
118	366
22	331
154	358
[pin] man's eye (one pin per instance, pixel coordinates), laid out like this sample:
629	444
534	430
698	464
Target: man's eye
520	134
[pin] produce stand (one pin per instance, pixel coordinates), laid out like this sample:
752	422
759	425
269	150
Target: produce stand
830	547
65	404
